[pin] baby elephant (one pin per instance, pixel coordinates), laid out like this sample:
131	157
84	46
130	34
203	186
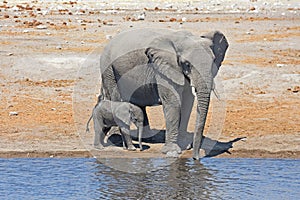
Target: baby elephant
107	114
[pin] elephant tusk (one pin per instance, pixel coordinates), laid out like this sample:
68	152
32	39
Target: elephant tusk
216	94
194	91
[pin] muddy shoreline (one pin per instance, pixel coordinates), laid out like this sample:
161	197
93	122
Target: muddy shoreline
188	154
49	73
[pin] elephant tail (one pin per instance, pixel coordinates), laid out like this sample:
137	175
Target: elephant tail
87	130
100	98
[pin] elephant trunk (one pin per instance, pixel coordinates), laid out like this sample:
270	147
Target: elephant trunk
203	90
140	133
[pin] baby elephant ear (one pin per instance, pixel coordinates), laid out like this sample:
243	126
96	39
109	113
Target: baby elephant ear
165	62
123	115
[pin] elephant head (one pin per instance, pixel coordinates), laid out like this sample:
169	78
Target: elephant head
184	57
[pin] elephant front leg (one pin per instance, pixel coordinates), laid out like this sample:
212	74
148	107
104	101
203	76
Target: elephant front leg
126	134
123	140
172	116
171	102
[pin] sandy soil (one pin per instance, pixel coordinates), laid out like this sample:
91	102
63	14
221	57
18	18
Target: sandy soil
49	73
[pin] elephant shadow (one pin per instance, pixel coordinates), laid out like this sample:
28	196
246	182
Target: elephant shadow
210	146
214	148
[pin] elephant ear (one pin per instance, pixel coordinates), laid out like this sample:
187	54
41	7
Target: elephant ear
164	59
219	46
122	114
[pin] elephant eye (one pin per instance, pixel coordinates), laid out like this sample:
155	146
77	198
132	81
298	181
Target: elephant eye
186	67
187	64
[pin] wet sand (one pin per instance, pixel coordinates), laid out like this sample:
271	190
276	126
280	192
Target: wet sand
49	73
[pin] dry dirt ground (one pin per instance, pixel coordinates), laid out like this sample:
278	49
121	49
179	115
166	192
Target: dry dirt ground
49	73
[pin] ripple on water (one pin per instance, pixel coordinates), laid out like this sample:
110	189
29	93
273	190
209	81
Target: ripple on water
212	178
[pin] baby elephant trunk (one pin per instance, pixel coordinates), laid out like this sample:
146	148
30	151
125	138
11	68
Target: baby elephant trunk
137	117
140	132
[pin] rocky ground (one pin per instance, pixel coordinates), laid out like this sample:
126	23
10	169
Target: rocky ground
49	73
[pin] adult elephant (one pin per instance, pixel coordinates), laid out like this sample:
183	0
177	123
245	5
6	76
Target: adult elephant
150	67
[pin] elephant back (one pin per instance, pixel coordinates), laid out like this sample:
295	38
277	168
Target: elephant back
128	41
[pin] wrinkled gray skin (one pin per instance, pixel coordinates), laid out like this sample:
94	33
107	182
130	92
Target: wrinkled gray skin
150	67
107	114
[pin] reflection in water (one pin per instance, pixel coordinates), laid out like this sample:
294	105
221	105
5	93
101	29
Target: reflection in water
182	178
136	165
212	178
209	179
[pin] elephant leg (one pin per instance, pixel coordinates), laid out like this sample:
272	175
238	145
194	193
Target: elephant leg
125	131
109	86
99	134
123	140
99	127
112	131
146	121
184	138
172	107
172	115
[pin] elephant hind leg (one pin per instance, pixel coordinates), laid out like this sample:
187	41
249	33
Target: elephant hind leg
99	133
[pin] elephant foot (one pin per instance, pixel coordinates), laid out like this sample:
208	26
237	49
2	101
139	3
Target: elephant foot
99	146
196	156
171	149
189	146
141	148
172	154
131	148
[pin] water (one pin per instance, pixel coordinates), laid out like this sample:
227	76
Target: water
212	178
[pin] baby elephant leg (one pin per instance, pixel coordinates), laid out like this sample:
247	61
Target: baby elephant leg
123	140
126	135
99	134
100	129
